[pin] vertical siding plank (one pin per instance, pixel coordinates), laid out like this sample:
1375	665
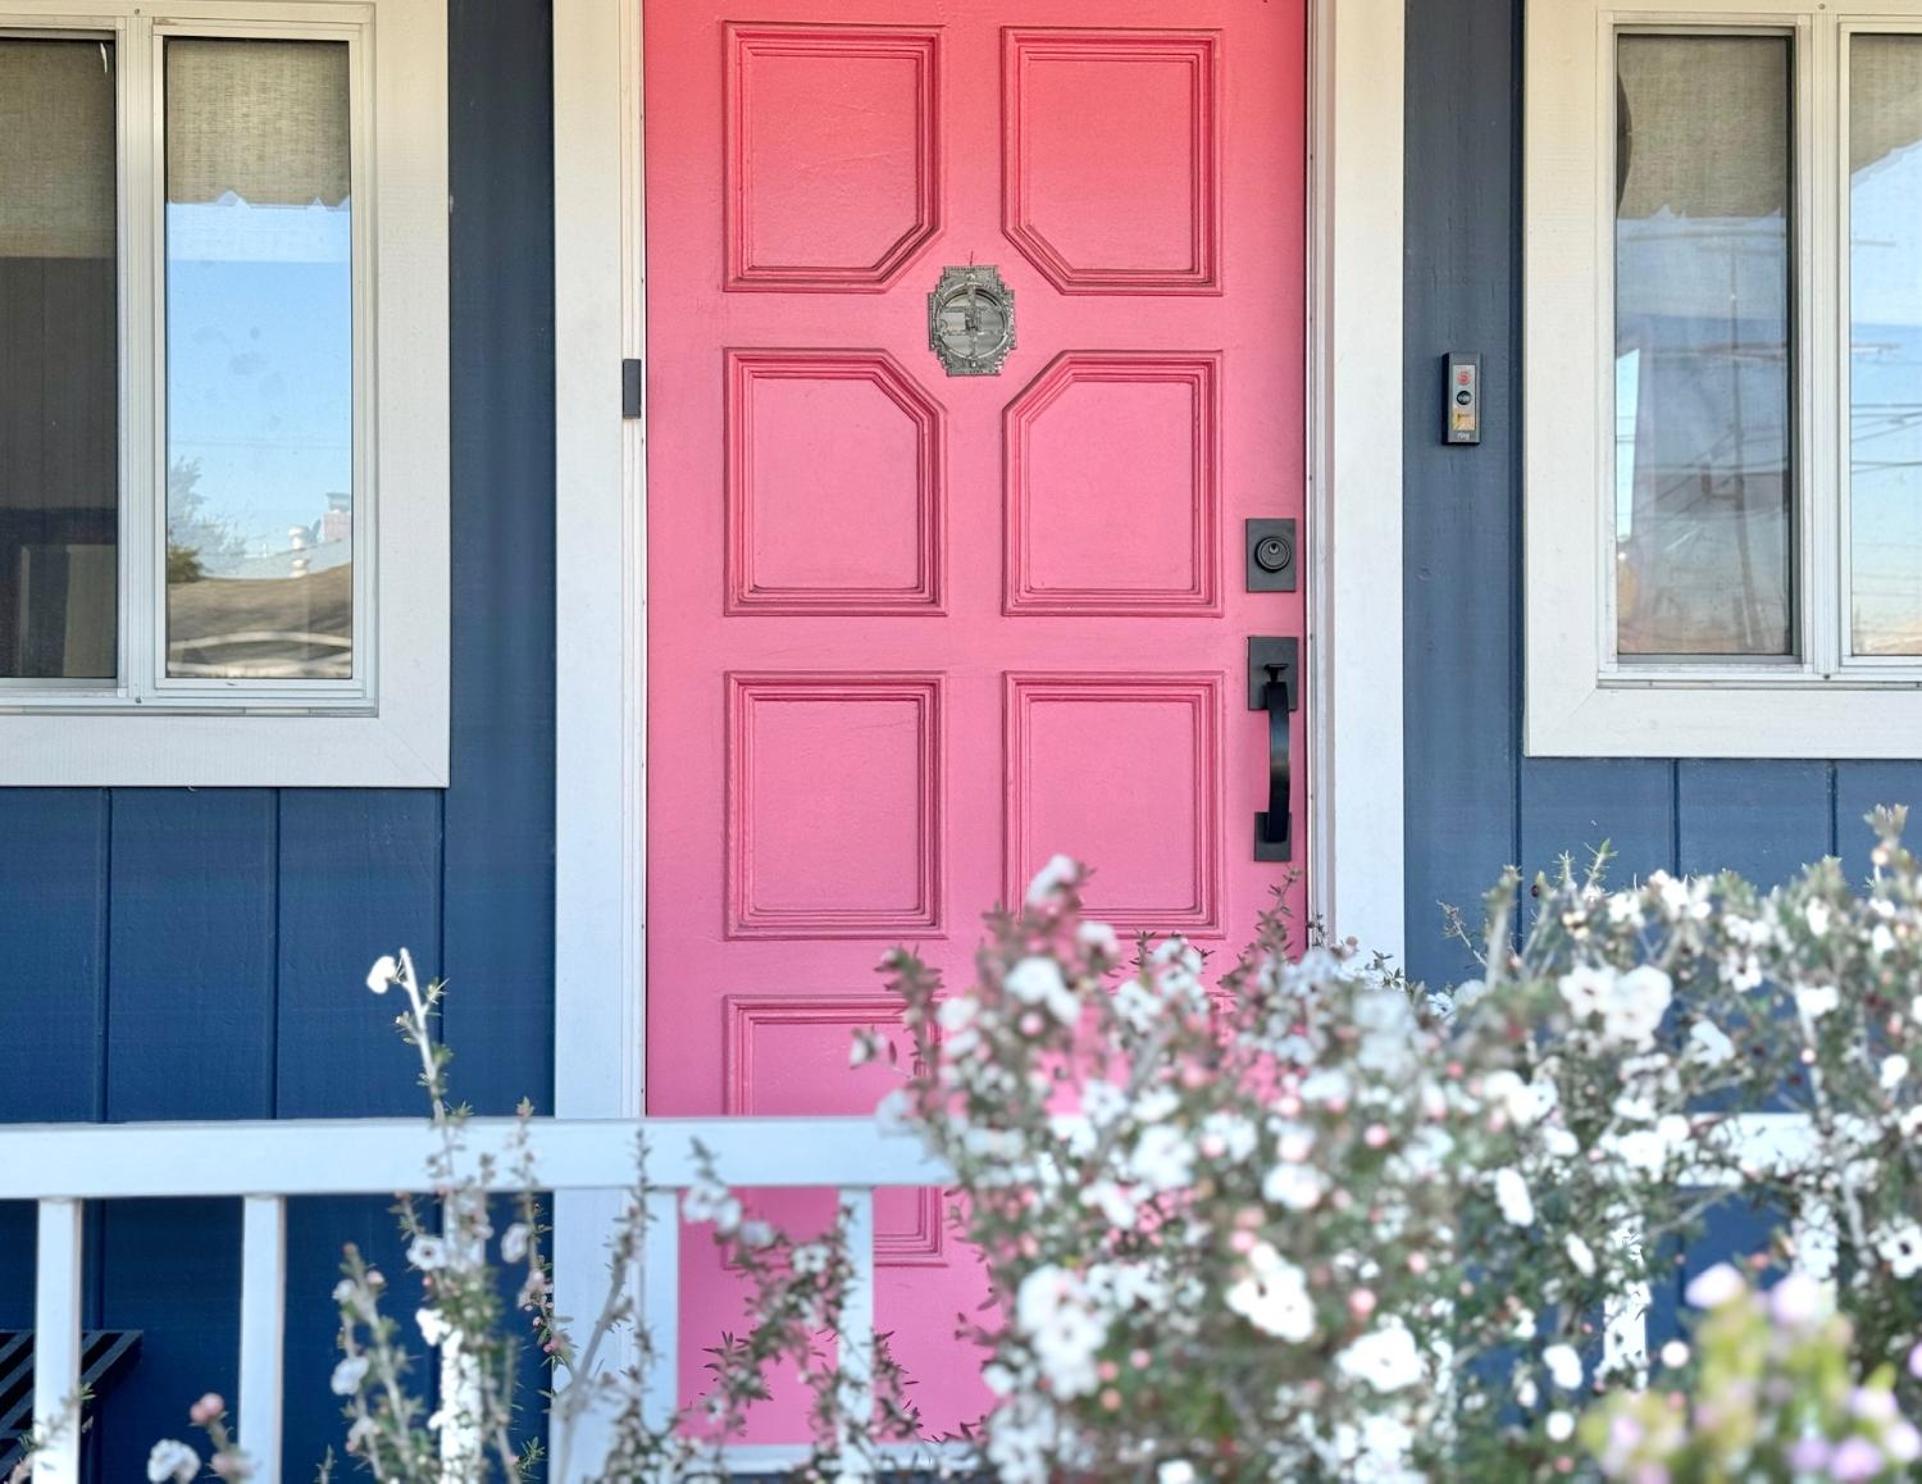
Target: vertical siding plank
1461	533
500	810
1861	787
190	1026
359	876
53	952
1575	805
53	987
190	1034
1764	819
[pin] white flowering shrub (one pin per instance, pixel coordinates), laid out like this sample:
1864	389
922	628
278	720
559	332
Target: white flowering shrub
1316	1224
1291	1218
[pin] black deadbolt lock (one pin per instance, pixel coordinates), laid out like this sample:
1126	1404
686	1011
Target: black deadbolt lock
1271	556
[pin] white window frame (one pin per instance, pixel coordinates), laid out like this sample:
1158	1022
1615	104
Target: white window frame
388	726
1580	700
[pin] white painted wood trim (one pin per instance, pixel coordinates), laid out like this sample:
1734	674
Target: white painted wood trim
1579	700
57	1291
372	1156
261	1399
394	735
1356	795
600	898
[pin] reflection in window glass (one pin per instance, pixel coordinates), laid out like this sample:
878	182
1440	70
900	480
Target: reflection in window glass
259	361
1704	501
1885	343
59	387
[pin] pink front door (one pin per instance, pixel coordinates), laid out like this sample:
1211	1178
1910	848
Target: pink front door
911	633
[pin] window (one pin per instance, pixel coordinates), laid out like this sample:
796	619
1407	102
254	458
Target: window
1724	380
223	386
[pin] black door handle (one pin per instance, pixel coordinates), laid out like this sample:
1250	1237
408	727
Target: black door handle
1273	675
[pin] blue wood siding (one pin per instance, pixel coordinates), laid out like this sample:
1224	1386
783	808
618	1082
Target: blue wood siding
199	954
1475	803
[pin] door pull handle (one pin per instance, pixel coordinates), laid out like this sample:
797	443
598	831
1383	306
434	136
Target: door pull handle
1274	674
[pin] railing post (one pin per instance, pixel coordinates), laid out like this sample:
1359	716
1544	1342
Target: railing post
661	1309
856	1335
263	1310
56	1344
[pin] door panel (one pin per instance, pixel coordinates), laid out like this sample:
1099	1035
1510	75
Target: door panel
910	634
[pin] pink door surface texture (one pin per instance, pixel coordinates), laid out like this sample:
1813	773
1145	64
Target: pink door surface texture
912	633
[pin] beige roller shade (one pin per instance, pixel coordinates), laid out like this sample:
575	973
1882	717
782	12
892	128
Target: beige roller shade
1885	97
267	120
56	150
1704	126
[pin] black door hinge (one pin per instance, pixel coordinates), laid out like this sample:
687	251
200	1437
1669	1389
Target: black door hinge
631	387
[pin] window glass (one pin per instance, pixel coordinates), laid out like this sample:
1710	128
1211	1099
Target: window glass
1704	515
259	339
1885	344
59	383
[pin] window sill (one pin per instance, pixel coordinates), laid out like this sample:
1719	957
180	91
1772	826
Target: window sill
405	746
1784	718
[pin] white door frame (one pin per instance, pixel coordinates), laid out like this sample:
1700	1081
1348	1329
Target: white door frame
1354	535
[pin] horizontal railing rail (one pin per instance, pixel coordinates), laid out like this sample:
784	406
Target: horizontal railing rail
264	1164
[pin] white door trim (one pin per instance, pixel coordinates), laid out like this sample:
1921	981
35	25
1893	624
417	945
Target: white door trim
1354	529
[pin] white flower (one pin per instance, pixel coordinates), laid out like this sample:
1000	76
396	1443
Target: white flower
1117	1207
172	1462
710	1201
1900	1246
1180	1471
1386	1021
1715	1286
1579	1254
1236	1134
344	1291
1511	1194
1052	1310
427	1254
1164	1157
1633	1011
385	971
810	1259
434	1327
1273	1297
348	1375
1058	873
1385	1357
1037	981
1098	939
1819	918
514	1242
1524	1103
1894	1070
1299	1187
1628	1006
1816	1000
1708	1044
1564	1366
1560	1427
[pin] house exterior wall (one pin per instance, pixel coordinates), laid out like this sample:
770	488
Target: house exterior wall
175	954
1474	803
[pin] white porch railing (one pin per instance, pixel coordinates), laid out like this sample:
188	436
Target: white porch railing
264	1164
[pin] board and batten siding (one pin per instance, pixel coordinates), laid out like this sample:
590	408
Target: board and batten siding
1475	804
201	954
